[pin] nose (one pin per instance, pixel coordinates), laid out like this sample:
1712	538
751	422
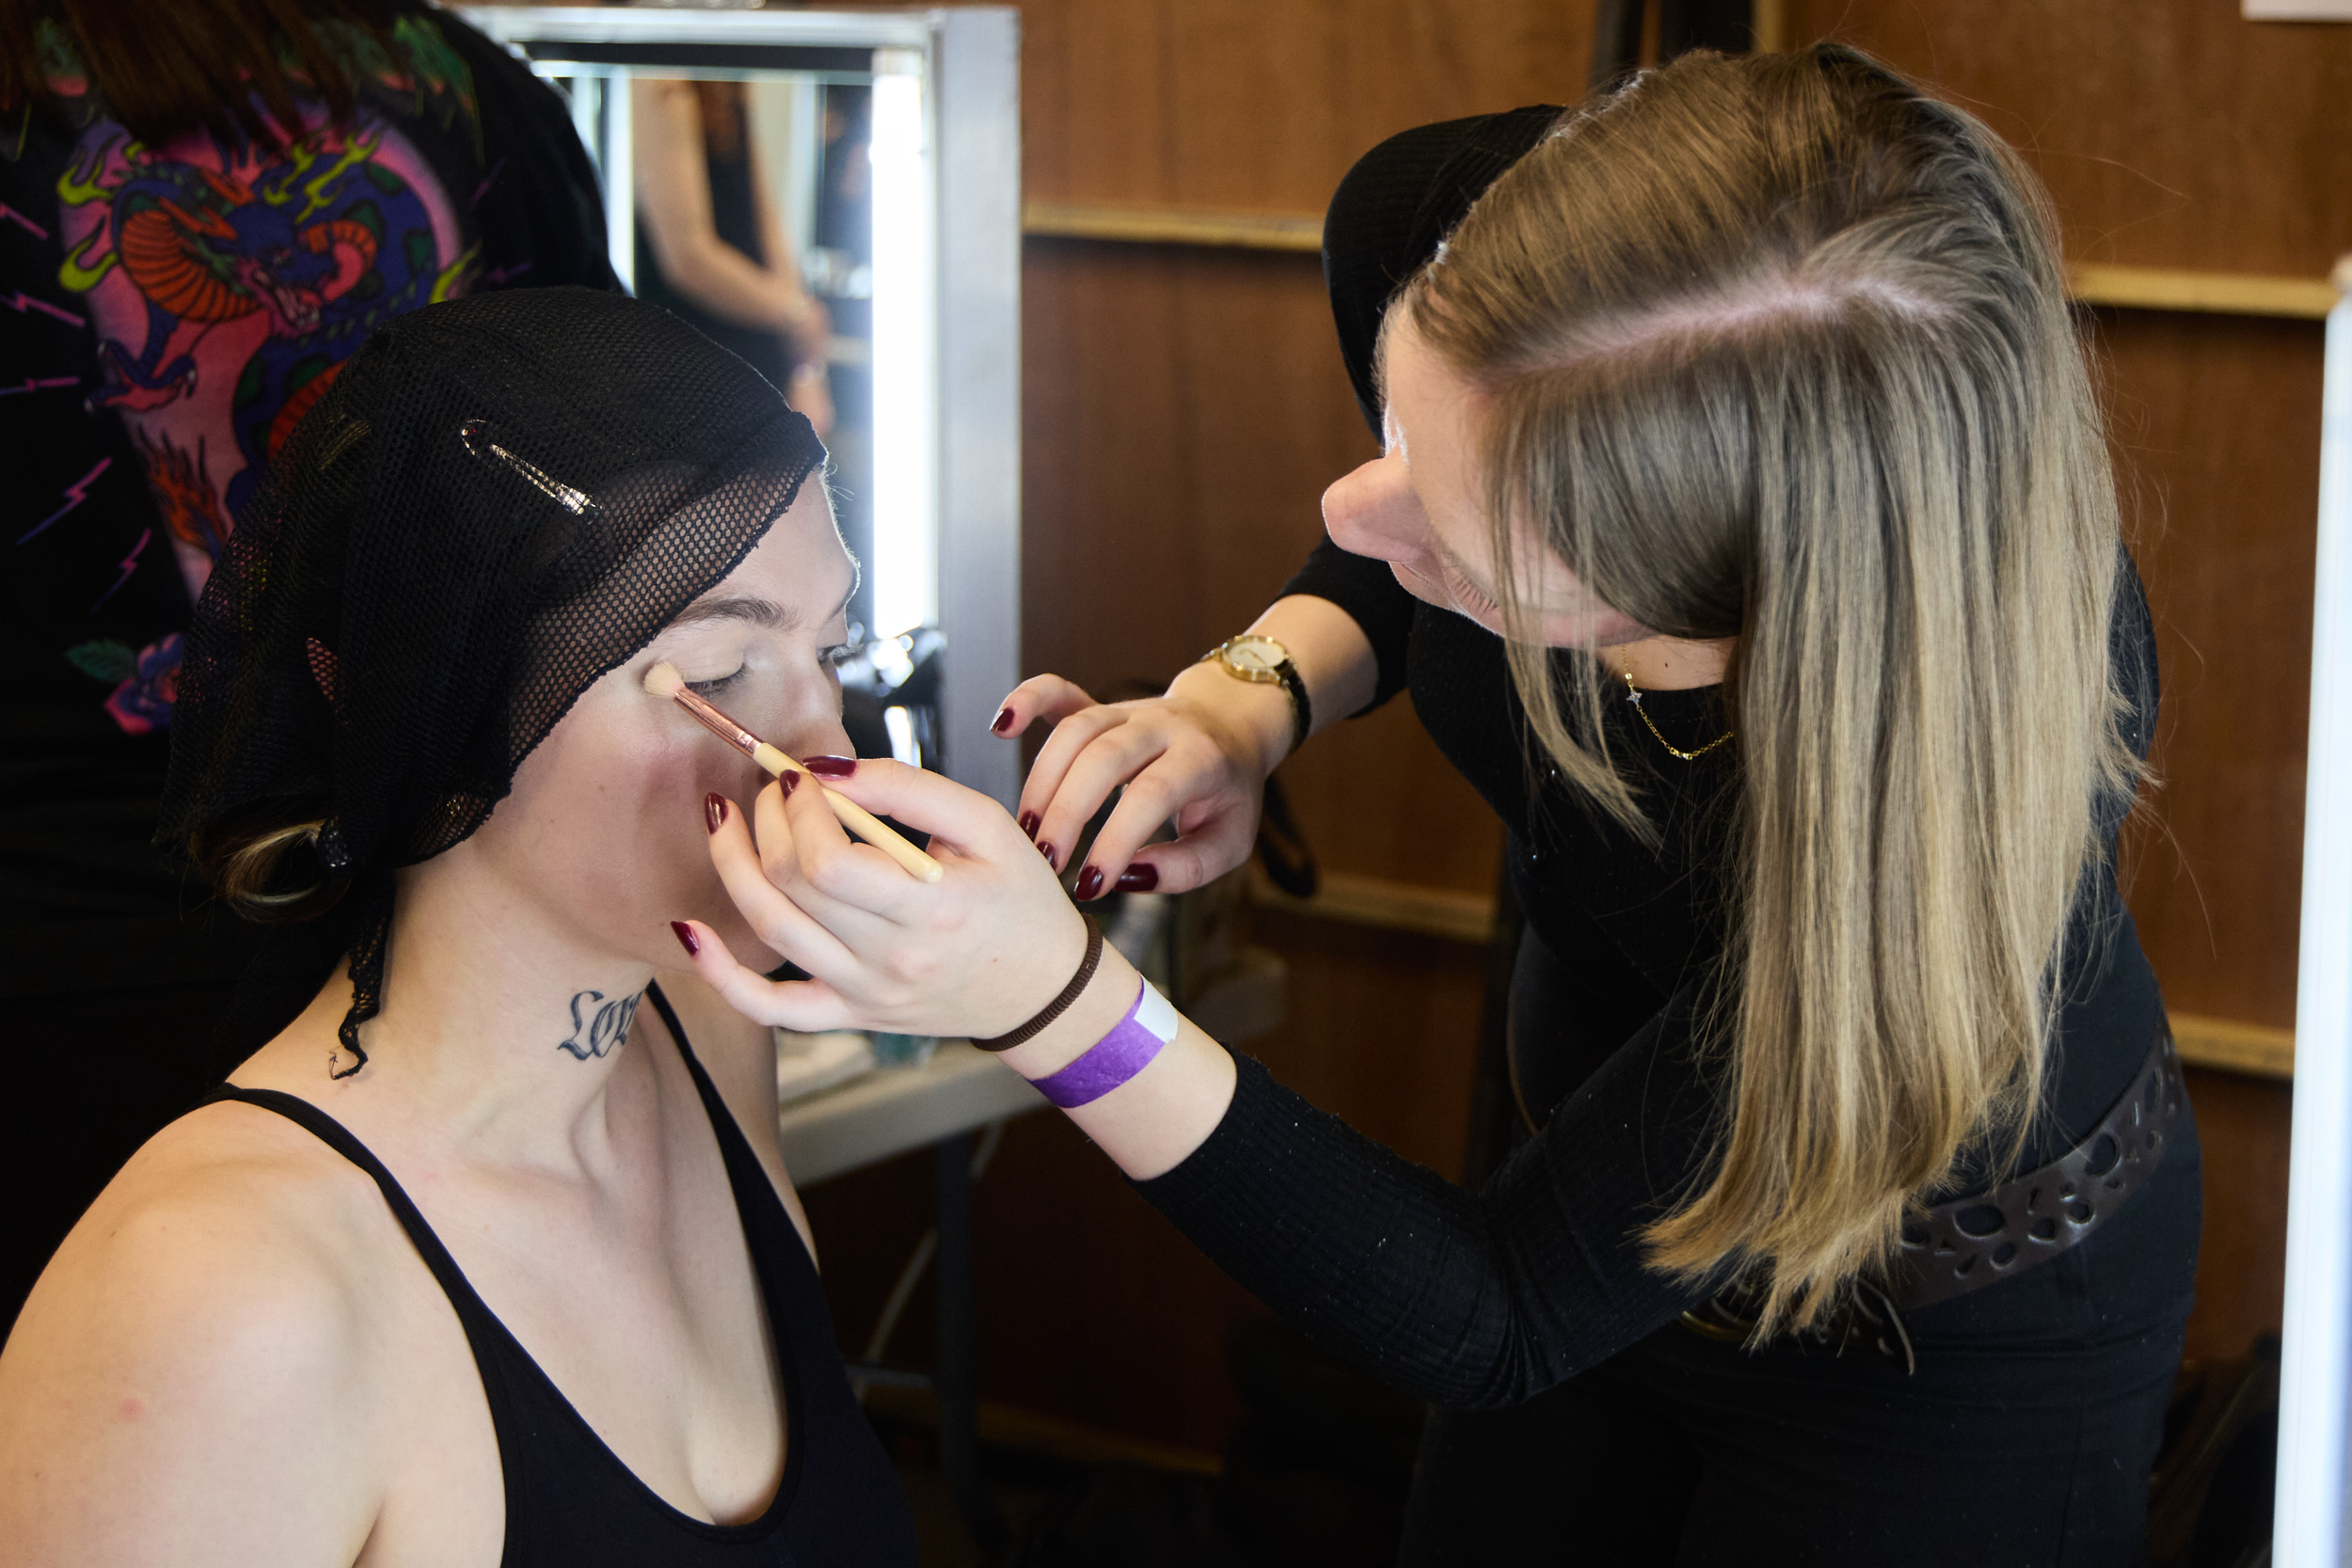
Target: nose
1374	512
818	737
806	721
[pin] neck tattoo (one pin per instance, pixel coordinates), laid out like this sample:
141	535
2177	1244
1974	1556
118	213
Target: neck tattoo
598	1025
1633	695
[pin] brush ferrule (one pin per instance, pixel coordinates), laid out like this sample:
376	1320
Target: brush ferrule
716	723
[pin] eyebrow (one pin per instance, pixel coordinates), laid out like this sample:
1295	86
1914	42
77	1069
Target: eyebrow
758	611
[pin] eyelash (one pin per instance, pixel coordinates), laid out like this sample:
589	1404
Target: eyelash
833	658
1463	587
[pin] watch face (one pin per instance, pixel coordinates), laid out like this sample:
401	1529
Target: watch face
1258	655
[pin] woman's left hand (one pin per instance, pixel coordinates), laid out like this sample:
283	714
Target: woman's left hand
976	952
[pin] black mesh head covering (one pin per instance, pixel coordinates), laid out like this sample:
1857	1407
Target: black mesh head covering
498	499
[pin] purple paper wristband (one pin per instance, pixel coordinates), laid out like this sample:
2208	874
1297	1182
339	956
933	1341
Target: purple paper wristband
1117	1056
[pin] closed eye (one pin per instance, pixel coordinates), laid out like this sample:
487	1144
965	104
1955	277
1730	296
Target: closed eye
718	684
1466	592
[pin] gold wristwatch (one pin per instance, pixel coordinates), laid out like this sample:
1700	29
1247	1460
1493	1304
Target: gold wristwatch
1263	661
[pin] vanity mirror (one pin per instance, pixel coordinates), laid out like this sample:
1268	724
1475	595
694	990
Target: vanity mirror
860	243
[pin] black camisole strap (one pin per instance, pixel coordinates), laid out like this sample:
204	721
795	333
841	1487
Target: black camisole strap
743	1166
703	1086
335	1135
482	1326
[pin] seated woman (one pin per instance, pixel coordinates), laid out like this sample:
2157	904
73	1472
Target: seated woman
473	1261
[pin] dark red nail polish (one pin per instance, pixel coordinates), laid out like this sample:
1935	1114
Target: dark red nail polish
1091	883
685	935
1047	850
714	810
1003	721
1137	879
1029	825
786	781
830	768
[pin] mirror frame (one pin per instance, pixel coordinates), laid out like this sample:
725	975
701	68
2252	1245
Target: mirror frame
971	61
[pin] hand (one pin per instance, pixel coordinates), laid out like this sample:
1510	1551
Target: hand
978	953
1198	756
806	325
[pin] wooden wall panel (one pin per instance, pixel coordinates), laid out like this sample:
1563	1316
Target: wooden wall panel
2172	132
2241	1281
2217	432
1184	410
1250	105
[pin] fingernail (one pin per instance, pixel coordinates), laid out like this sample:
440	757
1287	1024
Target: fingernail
685	935
1003	720
1090	883
1029	825
1137	879
830	768
786	781
714	810
1047	850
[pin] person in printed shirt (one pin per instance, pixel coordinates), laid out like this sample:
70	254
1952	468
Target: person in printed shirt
206	208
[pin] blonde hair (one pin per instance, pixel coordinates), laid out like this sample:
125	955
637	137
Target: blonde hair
1778	348
263	863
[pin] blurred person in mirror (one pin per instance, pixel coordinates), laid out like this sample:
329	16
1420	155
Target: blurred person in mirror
711	243
205	207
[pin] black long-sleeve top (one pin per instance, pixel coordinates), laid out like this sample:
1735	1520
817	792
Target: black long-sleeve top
1483	1299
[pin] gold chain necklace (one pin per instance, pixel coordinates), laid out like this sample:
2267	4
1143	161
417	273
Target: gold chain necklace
1633	695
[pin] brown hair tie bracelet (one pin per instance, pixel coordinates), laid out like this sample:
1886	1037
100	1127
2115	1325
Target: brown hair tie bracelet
1059	1005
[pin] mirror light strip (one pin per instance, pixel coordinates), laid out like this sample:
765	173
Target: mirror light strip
620	179
2315	1373
905	568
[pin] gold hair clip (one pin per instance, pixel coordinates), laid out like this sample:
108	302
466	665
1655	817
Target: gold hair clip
577	502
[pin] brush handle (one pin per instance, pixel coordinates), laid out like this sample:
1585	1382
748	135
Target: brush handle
863	823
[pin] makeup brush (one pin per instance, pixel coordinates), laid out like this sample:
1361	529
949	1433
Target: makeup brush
664	680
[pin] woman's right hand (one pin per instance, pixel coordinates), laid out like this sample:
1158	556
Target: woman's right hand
1198	756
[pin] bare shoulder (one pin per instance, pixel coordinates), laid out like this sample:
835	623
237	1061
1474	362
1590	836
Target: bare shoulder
195	1374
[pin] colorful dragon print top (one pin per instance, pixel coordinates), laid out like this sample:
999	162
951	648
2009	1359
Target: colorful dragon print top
169	314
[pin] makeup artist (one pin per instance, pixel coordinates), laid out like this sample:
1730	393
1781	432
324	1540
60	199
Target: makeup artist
1744	530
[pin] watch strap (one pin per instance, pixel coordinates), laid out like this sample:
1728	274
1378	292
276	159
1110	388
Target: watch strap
1302	715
